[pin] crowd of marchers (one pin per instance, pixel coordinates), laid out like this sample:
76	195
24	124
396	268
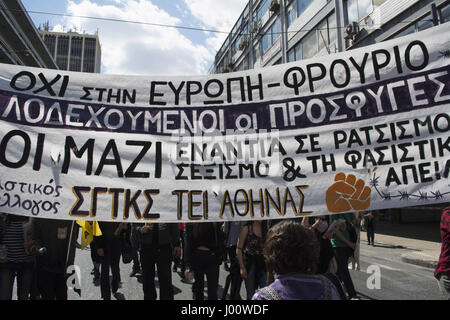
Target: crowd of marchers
302	258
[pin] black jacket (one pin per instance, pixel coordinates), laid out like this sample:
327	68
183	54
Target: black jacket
168	233
108	232
207	234
54	235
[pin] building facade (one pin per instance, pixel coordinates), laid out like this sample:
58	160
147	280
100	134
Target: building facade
20	42
73	51
270	32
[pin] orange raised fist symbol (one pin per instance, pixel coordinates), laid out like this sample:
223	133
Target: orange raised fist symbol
347	193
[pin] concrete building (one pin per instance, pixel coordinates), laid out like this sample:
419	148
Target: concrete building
20	42
270	32
74	51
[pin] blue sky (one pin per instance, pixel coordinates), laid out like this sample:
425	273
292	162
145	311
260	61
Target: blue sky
139	49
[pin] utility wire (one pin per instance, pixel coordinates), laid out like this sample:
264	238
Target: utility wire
182	27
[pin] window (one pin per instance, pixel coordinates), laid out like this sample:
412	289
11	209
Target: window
62	52
421	24
262	9
323	37
50	42
296	8
445	13
295	53
358	9
425	23
404	32
271	36
291	12
309	43
302	5
243	65
75	54
266	41
89	54
332	31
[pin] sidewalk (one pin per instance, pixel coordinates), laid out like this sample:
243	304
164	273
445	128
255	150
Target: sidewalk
423	239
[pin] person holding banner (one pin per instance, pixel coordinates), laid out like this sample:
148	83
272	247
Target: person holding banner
109	248
442	271
249	253
56	243
232	231
205	250
16	256
160	242
135	245
344	245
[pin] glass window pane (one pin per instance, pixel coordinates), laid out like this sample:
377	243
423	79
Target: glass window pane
332	31
62	52
309	45
50	41
409	30
292	12
291	55
75	54
298	51
352	10
365	8
276	30
302	5
265	41
445	13
263	7
322	35
425	23
89	54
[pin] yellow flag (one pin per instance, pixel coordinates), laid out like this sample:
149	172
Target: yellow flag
90	229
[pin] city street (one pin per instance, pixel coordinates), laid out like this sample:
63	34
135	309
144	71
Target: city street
399	280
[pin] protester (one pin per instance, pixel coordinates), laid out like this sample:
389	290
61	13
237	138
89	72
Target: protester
249	253
96	261
320	227
109	248
370	228
354	259
183	248
135	246
292	252
233	280
442	271
178	260
16	258
56	244
344	243
205	249
159	243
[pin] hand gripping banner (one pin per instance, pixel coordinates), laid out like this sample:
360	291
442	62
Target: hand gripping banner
364	129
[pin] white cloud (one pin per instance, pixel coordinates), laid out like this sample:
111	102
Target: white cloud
133	48
216	15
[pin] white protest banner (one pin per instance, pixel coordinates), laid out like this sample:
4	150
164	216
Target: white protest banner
365	129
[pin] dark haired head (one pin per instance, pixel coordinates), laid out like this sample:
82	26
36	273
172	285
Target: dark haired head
291	248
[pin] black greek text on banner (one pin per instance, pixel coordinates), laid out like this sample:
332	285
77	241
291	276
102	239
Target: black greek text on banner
360	130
